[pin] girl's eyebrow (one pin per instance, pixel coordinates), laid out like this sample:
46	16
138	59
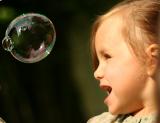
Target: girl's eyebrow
104	52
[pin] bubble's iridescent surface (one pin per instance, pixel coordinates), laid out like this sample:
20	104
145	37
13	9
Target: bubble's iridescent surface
30	37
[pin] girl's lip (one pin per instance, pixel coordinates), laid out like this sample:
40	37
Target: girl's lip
106	100
106	88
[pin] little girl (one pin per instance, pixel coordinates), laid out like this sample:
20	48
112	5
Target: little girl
126	50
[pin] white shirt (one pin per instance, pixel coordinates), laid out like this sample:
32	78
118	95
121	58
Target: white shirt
107	117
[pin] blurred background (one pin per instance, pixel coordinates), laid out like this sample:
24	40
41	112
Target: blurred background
61	88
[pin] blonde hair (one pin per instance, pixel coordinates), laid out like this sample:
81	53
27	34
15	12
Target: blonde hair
141	22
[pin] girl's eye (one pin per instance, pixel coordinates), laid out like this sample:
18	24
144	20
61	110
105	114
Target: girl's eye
106	56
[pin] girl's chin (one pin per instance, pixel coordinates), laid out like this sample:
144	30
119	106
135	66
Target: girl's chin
113	107
117	111
114	110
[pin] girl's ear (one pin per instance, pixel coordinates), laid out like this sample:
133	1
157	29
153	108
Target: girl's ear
152	52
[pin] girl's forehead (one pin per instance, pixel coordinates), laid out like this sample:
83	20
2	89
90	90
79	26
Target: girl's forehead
111	24
110	37
110	29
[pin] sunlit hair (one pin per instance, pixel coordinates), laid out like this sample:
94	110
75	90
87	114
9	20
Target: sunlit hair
140	25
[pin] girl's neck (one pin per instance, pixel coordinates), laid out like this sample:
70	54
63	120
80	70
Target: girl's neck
145	112
151	98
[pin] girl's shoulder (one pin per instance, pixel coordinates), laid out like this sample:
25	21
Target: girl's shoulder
1	120
102	118
107	117
144	119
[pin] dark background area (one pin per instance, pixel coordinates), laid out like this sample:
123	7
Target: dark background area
60	88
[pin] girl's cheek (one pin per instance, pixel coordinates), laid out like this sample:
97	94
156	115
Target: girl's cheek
115	74
110	73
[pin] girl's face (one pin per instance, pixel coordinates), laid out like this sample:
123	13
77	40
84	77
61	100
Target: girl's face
119	71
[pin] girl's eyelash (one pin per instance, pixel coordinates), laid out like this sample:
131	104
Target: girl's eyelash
107	56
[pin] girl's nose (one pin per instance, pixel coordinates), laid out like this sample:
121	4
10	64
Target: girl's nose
98	74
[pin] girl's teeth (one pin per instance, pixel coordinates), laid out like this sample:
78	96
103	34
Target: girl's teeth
107	92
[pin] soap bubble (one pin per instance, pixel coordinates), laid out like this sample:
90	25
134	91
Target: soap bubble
30	37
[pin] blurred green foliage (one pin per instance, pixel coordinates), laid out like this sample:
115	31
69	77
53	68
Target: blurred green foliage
6	14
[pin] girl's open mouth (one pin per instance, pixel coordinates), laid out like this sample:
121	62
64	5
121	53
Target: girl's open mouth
109	89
